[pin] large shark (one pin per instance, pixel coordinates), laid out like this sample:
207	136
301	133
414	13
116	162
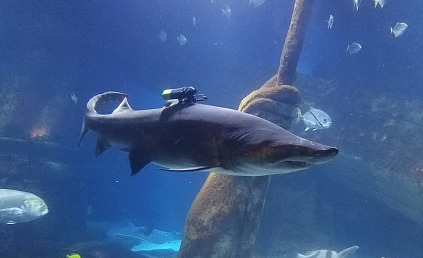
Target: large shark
187	136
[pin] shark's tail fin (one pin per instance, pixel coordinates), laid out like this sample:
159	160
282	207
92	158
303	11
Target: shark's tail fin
95	103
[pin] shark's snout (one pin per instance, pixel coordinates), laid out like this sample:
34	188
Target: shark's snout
325	154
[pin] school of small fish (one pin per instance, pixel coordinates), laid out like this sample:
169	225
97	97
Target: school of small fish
355	47
226	13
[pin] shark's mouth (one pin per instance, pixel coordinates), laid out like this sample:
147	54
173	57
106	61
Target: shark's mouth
297	164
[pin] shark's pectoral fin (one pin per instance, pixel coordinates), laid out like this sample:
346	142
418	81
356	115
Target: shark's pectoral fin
137	160
347	251
101	146
190	169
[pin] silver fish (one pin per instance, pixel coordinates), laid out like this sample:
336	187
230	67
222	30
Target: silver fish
74	98
357	4
226	12
354	48
330	22
194	21
256	3
162	36
381	3
399	29
182	40
17	206
316	119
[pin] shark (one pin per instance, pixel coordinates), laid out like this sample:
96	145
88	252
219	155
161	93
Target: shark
188	136
324	253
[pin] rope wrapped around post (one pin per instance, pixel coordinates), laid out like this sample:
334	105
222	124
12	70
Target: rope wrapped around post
225	216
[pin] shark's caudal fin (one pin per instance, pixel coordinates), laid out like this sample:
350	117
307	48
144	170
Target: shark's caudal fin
345	253
98	101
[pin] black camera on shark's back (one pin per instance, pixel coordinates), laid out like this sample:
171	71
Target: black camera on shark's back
183	94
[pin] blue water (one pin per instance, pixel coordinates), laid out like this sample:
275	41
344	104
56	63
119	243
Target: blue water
50	50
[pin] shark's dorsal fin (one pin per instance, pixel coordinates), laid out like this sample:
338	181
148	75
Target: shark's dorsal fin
137	160
124	106
190	169
101	146
345	253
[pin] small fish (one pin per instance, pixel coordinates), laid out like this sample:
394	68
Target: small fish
353	48
399	29
211	1
89	210
74	98
182	40
194	21
316	119
256	3
381	3
357	4
226	11
17	206
162	36
330	22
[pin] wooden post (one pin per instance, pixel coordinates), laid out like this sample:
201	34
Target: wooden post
225	216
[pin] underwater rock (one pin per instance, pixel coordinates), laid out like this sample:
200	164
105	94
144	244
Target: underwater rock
382	158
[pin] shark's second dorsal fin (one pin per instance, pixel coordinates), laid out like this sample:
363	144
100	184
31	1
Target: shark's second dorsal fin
137	160
124	106
345	253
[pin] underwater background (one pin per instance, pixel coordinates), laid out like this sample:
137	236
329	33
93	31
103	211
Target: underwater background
56	55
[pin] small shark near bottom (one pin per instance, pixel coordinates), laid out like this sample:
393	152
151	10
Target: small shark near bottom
329	253
186	137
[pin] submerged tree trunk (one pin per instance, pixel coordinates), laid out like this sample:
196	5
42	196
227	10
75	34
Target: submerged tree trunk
225	216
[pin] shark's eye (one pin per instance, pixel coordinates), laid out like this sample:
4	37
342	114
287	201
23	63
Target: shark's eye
325	120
